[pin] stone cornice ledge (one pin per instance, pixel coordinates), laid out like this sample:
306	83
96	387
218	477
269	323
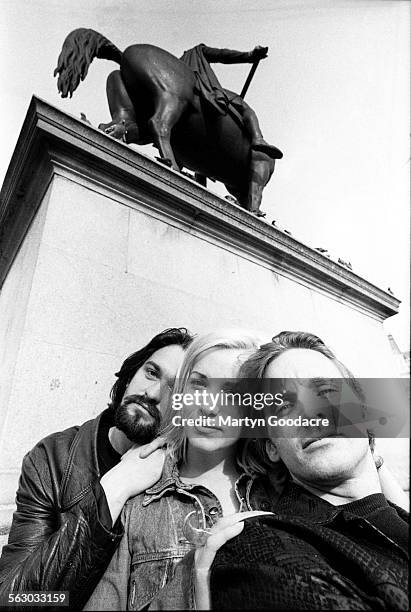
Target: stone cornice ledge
51	141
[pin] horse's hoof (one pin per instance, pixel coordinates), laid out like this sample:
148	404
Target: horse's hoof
259	213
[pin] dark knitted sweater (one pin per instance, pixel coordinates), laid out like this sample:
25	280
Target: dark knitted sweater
315	556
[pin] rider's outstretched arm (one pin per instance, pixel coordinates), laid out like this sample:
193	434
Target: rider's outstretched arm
230	56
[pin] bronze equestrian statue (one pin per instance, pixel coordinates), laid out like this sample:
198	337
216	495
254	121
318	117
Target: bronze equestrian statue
179	106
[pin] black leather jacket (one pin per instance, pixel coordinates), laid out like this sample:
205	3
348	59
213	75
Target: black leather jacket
57	541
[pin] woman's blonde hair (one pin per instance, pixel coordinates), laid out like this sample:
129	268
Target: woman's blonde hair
218	340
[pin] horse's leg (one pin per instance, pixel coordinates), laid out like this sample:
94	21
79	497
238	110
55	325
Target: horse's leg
255	197
168	111
261	169
123	125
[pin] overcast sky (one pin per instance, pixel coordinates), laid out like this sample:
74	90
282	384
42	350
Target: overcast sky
333	95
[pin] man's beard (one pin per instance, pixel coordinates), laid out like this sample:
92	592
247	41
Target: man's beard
138	418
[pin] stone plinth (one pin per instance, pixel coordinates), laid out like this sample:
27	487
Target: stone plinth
102	247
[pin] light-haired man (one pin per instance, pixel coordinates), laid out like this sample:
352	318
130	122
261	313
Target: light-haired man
334	541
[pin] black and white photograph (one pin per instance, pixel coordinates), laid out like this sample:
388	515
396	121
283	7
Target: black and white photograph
204	304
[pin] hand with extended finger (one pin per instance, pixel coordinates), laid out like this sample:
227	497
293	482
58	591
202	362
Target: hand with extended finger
225	529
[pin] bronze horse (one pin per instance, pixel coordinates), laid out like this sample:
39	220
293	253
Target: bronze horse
153	99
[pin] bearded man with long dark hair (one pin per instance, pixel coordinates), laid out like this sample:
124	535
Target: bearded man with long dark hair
74	483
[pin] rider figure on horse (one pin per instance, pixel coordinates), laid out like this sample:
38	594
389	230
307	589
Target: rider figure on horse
222	100
180	107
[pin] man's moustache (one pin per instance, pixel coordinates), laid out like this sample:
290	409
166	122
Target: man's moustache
145	403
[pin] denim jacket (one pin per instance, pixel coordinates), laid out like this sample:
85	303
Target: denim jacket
153	541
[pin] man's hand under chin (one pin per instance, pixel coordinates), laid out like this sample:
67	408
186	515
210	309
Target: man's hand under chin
133	475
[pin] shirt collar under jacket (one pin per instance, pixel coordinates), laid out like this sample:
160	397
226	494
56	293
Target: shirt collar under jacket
170	481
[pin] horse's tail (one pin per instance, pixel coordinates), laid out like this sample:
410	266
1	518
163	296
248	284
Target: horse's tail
79	49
